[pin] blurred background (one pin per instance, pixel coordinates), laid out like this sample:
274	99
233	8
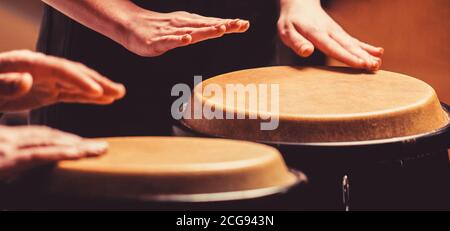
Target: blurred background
19	23
19	29
415	33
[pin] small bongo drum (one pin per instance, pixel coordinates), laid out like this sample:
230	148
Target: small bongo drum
166	173
384	134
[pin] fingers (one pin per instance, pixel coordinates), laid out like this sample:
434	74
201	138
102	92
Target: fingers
52	80
93	148
83	99
330	47
244	26
339	45
197	34
110	89
199	22
193	35
44	68
59	152
299	44
69	73
317	27
375	51
184	19
166	29
350	44
15	84
232	25
30	146
237	26
38	136
165	43
208	33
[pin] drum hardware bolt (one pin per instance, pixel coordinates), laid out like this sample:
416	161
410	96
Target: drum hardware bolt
346	192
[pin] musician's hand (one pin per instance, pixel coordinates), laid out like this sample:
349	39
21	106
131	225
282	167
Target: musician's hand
22	148
304	25
29	80
152	34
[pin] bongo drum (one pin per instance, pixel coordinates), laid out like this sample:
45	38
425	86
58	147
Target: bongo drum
384	135
161	173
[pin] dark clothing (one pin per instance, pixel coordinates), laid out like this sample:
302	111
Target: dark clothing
146	108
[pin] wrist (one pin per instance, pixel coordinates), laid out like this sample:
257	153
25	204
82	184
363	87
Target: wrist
131	25
286	5
123	25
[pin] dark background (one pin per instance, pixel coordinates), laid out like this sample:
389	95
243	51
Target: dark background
415	34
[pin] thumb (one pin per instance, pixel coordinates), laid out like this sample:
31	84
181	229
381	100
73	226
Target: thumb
15	84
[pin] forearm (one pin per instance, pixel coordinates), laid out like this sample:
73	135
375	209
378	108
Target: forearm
282	2
144	32
109	18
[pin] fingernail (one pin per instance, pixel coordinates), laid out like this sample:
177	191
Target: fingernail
122	91
376	64
306	50
361	62
381	50
97	90
379	61
222	28
186	38
96	147
102	145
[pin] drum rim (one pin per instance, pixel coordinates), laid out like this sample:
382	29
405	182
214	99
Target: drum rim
227	196
300	177
396	140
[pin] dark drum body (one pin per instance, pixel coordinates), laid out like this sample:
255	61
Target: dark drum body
398	174
407	173
17	197
161	174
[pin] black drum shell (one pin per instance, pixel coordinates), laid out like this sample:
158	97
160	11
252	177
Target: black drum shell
409	173
417	181
31	194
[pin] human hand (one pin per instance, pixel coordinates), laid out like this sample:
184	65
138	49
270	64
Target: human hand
29	80
152	34
304	25
22	148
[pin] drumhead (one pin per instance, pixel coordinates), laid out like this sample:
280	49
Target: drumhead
318	105
177	169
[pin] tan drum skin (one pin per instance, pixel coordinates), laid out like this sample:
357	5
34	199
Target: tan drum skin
146	166
327	104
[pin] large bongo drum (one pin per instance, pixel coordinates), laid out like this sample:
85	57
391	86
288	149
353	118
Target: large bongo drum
174	173
365	140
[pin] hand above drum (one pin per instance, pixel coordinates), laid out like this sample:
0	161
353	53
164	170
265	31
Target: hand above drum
152	34
24	147
145	32
29	80
304	25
